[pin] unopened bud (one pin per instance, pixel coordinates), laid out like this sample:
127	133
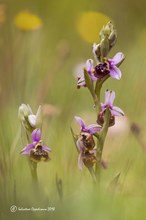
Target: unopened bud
28	119
32	120
104	47
96	51
112	38
108	38
23	111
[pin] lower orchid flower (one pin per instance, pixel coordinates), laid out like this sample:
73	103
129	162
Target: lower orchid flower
36	150
87	150
114	110
86	144
89	67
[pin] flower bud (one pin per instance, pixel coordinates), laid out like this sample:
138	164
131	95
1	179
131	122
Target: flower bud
108	37
96	51
104	47
23	111
112	38
32	120
107	30
29	120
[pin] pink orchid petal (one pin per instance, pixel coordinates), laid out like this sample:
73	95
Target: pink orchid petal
32	120
109	97
118	58
117	111
93	128
89	65
80	145
45	148
94	78
80	122
36	135
115	72
27	149
81	81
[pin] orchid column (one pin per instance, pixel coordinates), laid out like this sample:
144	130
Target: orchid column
92	77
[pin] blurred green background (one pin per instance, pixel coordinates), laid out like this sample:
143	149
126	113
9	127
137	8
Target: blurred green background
38	67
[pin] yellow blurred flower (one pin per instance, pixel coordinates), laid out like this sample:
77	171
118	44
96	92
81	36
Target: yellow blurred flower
89	25
27	21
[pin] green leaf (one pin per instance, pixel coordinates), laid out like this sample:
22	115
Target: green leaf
39	117
115	181
89	84
75	138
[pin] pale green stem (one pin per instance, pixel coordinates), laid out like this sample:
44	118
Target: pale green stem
100	142
33	166
33	169
96	97
97	92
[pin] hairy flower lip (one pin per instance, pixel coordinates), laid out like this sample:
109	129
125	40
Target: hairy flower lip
101	70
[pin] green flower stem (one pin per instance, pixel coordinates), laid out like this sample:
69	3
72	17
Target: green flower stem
97	92
33	169
98	87
100	142
32	165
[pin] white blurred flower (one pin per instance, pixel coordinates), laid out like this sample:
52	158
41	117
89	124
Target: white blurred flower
121	127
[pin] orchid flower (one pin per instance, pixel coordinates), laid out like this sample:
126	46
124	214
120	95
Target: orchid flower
110	67
89	67
86	156
85	143
109	99
36	150
113	63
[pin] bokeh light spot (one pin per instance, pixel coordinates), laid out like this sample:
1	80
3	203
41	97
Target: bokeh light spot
27	21
89	25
